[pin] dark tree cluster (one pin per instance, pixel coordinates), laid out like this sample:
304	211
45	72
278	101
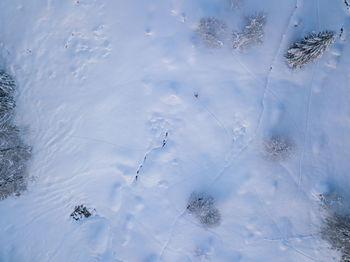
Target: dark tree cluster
13	152
336	227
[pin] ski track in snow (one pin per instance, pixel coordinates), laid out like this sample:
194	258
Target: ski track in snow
308	92
266	88
275	57
166	244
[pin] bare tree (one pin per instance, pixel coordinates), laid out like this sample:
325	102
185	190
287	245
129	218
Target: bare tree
277	148
202	206
252	34
211	32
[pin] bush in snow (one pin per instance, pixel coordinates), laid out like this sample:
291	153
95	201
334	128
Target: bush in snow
253	33
277	148
13	152
202	206
81	212
309	49
336	227
211	32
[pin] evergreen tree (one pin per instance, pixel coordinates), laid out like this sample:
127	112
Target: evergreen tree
309	49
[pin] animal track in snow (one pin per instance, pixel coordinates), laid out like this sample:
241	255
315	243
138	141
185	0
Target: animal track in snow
163	144
158	126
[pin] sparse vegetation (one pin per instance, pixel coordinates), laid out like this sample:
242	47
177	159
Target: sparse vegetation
253	33
202	206
211	32
277	148
309	48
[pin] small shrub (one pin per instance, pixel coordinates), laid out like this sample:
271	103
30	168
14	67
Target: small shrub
309	48
253	33
211	32
202	206
81	212
277	148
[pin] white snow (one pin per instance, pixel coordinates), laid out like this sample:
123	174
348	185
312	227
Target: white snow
100	83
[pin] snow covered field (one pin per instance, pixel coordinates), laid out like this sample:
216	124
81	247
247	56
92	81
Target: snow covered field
128	114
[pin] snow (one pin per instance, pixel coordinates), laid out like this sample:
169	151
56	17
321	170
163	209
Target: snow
102	83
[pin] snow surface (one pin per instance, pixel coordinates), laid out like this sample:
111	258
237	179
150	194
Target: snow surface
101	83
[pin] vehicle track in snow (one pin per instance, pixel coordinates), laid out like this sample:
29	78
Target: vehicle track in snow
265	90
